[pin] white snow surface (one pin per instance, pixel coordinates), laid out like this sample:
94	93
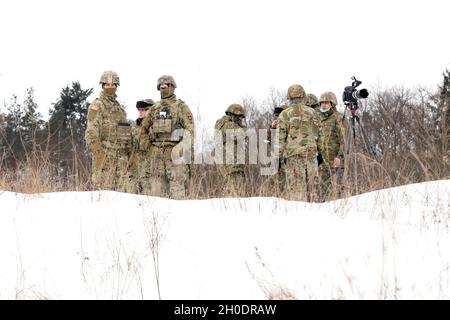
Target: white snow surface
387	244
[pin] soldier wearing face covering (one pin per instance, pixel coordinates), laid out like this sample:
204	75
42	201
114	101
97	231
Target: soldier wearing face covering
333	128
169	127
108	135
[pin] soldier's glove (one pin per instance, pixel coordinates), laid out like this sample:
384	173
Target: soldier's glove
319	159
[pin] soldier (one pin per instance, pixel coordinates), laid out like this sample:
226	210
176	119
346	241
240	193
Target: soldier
298	135
233	123
333	128
312	101
108	135
166	116
139	164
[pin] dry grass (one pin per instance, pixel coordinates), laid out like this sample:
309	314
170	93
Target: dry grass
38	175
39	170
363	174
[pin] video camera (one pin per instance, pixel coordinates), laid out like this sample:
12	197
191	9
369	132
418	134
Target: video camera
277	111
351	94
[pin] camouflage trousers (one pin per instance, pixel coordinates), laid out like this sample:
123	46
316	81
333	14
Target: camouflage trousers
140	174
233	181
110	170
331	186
165	179
302	178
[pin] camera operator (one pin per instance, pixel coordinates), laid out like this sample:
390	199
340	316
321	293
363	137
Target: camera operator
333	128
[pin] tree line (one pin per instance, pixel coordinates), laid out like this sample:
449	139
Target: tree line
55	147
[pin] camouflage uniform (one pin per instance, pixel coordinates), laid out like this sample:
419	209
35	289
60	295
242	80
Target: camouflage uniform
333	128
232	173
167	115
140	174
299	134
108	136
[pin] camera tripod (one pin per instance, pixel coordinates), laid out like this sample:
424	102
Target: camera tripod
356	120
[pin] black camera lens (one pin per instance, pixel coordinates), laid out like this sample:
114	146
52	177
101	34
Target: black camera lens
361	94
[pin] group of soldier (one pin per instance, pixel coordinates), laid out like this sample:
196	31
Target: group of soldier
312	141
138	158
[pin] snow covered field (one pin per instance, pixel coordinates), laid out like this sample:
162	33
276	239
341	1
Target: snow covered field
388	244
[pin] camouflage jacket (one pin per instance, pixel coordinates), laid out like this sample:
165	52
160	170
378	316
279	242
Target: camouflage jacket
107	125
164	118
224	125
298	127
333	130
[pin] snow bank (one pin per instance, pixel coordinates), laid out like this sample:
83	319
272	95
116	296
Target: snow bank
388	244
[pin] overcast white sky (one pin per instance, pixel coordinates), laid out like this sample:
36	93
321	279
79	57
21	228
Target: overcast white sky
219	51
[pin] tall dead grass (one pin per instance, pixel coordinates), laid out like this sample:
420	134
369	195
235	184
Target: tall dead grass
37	174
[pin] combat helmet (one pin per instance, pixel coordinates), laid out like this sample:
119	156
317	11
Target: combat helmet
328	96
296	91
166	79
235	109
110	77
311	100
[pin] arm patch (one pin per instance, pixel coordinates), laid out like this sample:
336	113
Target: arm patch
95	105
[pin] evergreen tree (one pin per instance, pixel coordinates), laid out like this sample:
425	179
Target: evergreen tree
31	123
70	111
66	126
21	133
